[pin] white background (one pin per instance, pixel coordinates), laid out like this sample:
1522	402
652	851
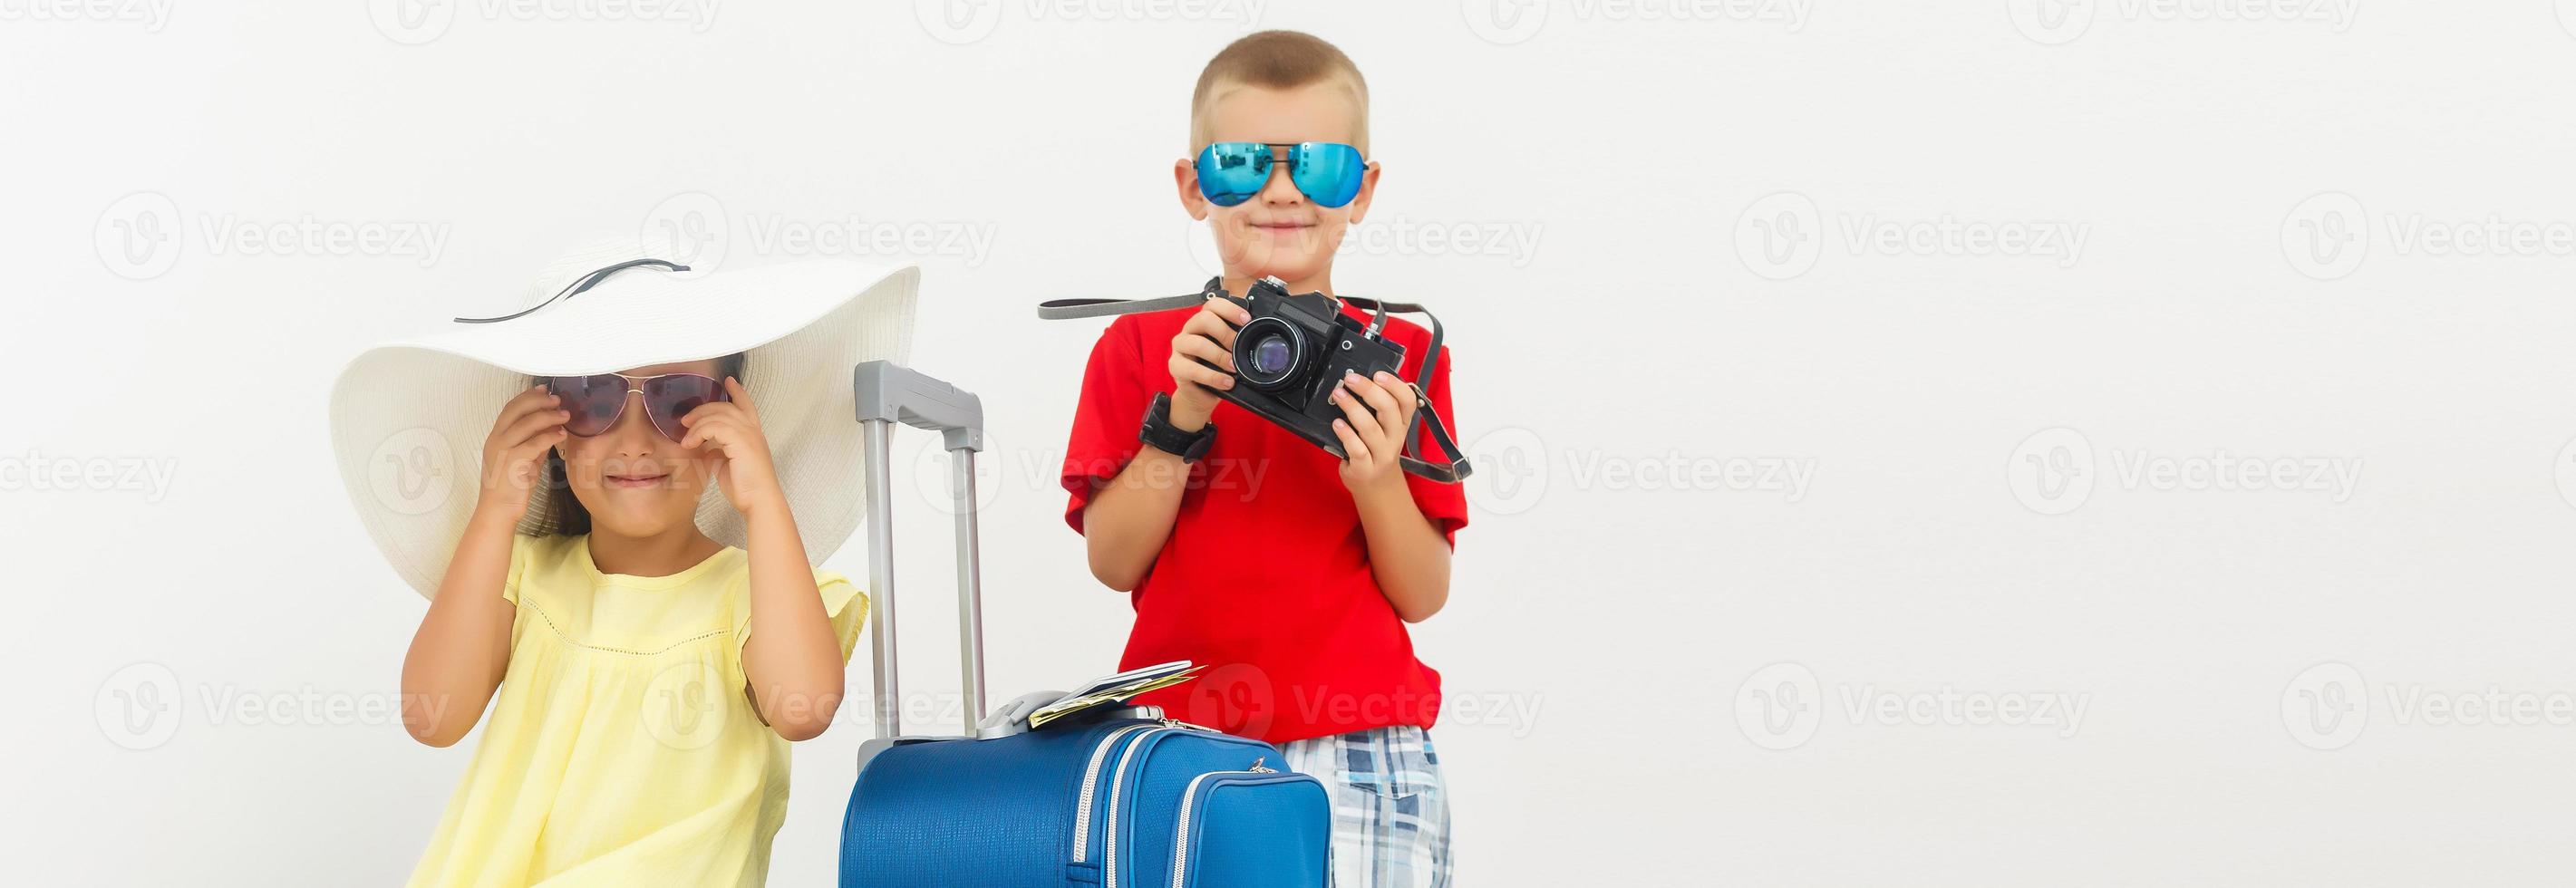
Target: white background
1652	305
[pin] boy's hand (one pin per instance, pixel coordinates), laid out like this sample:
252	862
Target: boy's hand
743	468
514	455
1208	338
1377	412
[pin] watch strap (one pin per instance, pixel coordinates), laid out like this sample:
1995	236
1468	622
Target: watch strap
1159	433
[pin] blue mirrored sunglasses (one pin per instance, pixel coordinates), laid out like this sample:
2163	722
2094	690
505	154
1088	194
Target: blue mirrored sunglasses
1328	173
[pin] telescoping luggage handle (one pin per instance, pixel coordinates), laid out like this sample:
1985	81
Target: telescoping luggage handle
889	393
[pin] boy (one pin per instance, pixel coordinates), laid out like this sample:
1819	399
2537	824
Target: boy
1290	573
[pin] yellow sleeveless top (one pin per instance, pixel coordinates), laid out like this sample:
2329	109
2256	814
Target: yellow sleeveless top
621	748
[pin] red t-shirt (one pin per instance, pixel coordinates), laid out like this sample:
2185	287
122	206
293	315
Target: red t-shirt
1265	578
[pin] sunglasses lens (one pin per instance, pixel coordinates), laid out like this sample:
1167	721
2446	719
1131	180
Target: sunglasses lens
667	398
593	401
1232	172
1328	173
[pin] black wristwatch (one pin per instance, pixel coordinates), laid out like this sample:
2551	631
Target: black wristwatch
1160	434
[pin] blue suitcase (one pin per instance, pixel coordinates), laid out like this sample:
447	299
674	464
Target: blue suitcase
1117	797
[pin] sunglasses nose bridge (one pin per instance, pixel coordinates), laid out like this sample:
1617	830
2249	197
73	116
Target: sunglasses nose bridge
630	413
1282	177
630	422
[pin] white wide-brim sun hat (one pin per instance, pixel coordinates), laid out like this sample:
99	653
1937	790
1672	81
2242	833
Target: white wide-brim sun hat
409	418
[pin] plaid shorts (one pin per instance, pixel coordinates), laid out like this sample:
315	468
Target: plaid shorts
1390	810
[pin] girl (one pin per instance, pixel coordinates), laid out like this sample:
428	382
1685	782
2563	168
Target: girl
627	580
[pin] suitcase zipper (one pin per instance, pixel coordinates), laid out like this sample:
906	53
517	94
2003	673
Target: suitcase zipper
1181	832
1109	843
1117	784
1090	784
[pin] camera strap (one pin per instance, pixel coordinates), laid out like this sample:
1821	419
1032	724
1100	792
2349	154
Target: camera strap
1451	472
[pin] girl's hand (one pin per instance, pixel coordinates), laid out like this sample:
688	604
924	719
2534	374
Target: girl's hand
1376	413
743	469
514	456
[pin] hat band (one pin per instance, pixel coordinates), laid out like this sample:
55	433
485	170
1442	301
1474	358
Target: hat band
578	285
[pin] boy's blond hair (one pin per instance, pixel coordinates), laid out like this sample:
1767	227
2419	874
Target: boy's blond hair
1277	60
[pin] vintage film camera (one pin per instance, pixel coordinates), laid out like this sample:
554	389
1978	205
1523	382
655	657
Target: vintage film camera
1294	350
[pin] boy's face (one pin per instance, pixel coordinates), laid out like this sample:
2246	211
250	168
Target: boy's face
1279	232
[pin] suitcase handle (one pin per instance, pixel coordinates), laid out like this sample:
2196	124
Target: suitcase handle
888	393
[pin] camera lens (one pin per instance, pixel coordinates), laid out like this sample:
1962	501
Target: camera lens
1270	356
1268	353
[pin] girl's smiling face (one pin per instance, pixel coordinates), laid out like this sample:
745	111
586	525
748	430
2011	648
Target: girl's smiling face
633	481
